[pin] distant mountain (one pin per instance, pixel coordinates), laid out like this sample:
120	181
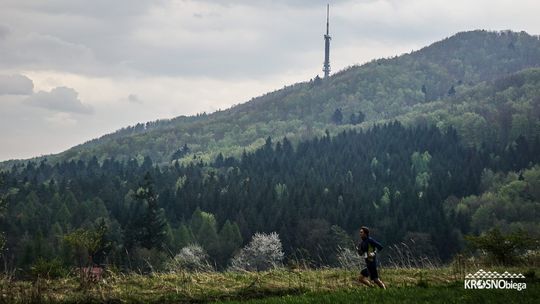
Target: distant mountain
473	80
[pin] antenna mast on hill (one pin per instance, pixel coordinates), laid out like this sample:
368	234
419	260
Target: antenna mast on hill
327	38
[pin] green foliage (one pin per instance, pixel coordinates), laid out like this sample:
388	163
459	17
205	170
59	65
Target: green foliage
337	117
358	118
2	241
181	152
2	214
281	190
146	261
182	237
454	165
48	269
207	237
506	249
230	241
320	242
397	179
452	91
509	202
88	243
201	219
420	165
420	162
149	228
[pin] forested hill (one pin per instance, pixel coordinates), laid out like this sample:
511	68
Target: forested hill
462	158
447	83
406	183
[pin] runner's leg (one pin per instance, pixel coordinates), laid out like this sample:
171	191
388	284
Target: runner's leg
379	283
364	274
364	280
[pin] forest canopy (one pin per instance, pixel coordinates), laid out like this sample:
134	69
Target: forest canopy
401	180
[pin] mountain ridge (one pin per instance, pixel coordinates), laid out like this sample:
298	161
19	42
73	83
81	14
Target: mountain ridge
382	89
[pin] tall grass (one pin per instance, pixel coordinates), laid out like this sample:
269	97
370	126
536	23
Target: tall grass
401	268
403	256
210	286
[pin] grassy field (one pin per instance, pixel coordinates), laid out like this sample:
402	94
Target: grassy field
279	286
439	294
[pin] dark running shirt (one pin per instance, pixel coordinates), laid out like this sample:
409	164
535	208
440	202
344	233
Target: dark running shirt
367	246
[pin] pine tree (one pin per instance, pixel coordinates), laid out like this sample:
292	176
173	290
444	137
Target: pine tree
452	91
153	223
2	214
337	117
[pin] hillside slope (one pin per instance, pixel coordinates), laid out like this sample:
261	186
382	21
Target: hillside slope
407	87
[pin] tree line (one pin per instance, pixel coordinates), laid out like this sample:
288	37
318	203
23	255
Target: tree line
398	180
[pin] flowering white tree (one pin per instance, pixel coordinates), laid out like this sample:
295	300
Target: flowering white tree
262	253
191	258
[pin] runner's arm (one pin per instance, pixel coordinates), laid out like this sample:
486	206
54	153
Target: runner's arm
376	244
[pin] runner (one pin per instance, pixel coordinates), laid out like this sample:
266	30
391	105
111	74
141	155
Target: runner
368	248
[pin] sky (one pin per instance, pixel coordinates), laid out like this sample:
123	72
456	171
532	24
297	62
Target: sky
74	70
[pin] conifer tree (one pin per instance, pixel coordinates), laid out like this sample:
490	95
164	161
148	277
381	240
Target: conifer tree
153	229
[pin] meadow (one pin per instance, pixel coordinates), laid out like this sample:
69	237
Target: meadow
435	285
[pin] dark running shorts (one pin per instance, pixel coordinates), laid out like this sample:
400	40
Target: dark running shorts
370	271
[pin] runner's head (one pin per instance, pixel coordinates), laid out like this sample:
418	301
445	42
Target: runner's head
364	232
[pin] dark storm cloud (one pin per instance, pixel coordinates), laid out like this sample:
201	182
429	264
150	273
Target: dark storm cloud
61	99
16	85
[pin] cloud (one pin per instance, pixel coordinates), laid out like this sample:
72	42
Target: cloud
236	40
4	31
33	50
239	39
134	99
16	85
294	3
62	99
180	57
61	119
